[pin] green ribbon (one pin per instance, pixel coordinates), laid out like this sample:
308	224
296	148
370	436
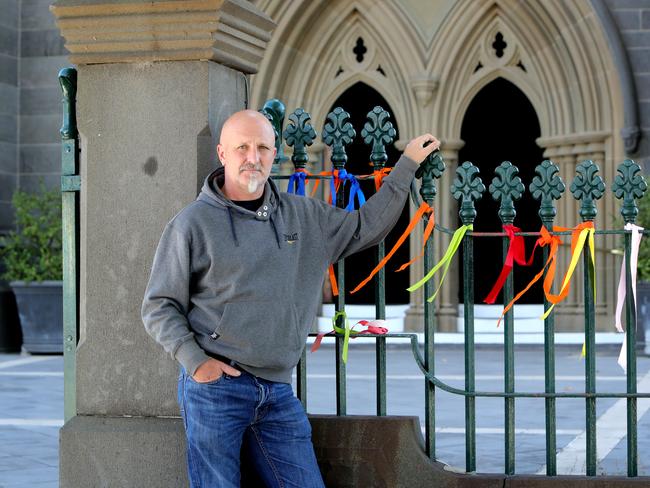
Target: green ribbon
346	331
456	239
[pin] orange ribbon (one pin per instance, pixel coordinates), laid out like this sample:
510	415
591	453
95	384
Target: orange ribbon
424	209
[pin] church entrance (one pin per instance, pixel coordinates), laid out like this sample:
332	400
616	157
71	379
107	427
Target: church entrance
501	125
358	100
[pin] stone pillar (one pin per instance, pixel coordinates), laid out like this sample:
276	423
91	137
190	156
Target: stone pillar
156	80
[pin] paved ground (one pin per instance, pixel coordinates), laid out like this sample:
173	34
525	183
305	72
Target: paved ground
31	408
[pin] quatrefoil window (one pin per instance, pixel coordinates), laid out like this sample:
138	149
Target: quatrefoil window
360	49
499	45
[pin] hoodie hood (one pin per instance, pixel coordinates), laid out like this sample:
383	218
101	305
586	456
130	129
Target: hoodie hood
212	195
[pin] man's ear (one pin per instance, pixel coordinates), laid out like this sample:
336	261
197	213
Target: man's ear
221	153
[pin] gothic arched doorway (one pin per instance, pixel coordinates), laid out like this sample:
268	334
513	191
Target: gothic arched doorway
358	100
499	125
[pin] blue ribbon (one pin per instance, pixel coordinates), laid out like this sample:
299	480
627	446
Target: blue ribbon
355	190
299	178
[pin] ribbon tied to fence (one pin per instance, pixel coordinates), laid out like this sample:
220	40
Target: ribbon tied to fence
516	254
376	327
637	234
444	263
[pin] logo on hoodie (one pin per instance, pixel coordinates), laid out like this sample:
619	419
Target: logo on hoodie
291	238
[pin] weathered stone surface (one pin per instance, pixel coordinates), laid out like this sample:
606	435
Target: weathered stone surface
35	14
8	41
8	157
231	32
126	452
40	158
9	15
41	43
40	129
128	114
8	128
41	71
8	69
8	99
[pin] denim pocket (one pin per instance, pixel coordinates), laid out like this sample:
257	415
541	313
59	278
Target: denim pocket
211	382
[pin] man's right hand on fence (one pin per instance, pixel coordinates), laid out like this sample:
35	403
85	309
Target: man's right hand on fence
416	149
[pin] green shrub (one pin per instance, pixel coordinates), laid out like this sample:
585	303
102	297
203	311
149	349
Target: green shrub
33	252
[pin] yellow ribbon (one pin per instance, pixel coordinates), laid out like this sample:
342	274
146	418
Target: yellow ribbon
585	235
346	332
456	239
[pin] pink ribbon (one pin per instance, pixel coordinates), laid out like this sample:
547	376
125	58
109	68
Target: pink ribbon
372	327
637	234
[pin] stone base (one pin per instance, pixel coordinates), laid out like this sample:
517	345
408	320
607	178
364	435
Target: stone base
126	452
352	451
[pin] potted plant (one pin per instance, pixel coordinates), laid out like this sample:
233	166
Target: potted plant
32	259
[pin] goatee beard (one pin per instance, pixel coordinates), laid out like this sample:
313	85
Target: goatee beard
253	183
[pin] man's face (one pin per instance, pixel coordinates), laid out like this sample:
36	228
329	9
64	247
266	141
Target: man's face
246	150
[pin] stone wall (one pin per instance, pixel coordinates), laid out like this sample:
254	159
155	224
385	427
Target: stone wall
9	46
633	20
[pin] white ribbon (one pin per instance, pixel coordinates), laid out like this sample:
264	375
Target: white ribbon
637	234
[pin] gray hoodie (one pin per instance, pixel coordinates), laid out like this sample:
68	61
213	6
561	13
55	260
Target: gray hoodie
247	285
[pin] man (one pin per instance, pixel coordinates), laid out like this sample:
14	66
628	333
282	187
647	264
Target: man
234	288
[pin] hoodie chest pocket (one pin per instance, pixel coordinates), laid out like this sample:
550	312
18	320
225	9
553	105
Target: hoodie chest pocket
264	334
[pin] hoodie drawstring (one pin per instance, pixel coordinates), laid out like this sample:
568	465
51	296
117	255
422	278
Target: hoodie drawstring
275	230
232	227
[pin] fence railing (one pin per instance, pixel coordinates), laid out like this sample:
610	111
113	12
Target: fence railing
506	187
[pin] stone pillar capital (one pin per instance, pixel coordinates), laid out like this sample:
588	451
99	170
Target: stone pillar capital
234	33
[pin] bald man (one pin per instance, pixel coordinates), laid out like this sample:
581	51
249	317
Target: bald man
235	286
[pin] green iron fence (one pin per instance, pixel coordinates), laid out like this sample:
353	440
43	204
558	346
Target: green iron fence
506	187
467	187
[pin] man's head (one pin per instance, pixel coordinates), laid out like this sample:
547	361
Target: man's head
246	149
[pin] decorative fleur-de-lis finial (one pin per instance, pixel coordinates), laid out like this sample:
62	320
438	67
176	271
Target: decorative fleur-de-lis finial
468	186
587	186
299	134
378	131
629	184
547	186
68	81
432	167
338	133
274	110
506	187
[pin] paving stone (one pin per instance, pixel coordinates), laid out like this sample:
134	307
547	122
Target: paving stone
8	157
645	19
7	187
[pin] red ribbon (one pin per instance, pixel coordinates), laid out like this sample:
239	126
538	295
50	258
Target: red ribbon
516	254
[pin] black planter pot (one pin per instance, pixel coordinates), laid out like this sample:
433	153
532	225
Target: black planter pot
40	308
10	335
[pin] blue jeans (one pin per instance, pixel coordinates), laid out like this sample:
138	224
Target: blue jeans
259	420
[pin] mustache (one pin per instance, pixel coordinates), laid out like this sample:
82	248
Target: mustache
250	167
